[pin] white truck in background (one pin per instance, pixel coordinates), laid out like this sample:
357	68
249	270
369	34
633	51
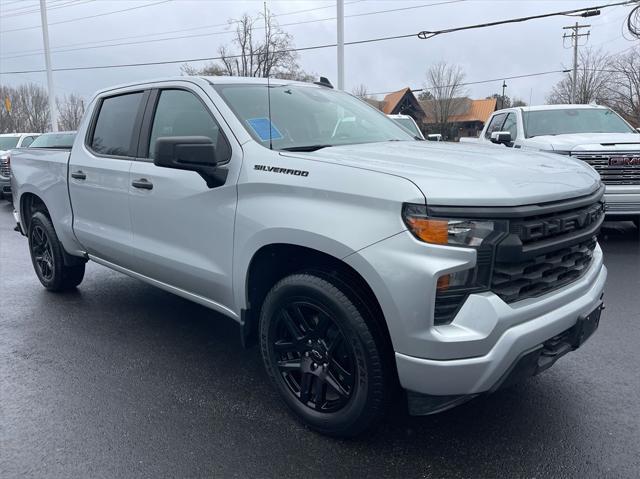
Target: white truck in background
594	134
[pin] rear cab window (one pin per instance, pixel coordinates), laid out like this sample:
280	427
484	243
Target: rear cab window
114	131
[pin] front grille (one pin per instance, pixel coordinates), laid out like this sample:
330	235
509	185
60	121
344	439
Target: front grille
615	168
514	281
5	169
533	250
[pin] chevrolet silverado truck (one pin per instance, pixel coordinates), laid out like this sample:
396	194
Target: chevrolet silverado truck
590	133
364	263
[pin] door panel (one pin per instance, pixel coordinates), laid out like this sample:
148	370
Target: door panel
182	229
101	217
99	178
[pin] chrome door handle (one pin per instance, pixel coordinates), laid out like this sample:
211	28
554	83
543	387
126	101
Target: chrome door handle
79	175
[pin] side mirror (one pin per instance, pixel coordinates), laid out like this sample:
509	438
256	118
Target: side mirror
638	129
434	137
192	153
501	137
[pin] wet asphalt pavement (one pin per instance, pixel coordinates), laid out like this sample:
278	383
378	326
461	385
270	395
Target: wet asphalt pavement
120	379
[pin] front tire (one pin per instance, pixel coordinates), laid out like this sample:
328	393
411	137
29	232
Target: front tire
324	358
47	256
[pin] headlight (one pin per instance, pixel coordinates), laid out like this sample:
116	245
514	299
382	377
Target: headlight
452	289
448	231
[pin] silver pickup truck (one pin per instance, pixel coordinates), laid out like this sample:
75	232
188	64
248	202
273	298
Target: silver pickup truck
362	261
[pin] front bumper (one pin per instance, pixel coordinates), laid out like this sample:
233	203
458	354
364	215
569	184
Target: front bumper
475	375
622	201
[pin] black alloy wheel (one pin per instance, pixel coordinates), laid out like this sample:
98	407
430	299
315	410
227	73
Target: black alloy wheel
42	253
56	270
313	357
325	354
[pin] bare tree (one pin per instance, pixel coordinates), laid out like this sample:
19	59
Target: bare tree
256	53
425	94
70	112
501	102
625	86
518	102
361	91
444	81
29	109
212	69
594	76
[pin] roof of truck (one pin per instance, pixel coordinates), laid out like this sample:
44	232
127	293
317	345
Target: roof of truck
210	79
558	107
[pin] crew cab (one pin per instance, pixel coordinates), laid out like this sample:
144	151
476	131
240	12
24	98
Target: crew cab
590	133
7	142
361	261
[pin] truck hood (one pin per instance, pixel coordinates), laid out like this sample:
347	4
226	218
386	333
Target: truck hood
591	141
468	174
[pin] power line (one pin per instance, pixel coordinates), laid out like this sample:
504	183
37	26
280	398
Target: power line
197	35
179	30
525	75
316	47
427	34
70	3
87	17
11	3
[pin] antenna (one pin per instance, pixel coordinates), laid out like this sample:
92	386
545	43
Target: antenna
266	71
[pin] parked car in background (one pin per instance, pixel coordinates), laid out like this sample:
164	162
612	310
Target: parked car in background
58	140
7	142
358	259
594	134
409	124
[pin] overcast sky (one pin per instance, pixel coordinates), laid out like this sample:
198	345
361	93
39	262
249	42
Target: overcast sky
496	52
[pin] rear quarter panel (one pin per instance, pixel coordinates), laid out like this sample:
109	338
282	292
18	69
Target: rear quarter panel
43	172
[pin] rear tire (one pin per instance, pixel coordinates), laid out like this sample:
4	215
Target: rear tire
322	355
47	256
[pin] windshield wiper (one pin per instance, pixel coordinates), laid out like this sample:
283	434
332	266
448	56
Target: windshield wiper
305	148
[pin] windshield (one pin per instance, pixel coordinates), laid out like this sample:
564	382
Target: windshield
8	142
54	140
307	117
408	124
573	120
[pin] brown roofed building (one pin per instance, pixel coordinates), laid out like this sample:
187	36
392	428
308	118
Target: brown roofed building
467	117
401	102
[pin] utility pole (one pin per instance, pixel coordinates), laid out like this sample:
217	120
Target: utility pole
340	22
575	36
53	112
504	85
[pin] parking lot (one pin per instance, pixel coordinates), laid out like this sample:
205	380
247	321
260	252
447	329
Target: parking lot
122	379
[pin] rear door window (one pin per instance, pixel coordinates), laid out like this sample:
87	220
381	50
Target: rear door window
115	132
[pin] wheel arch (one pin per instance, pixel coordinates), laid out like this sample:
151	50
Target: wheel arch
274	261
31	203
